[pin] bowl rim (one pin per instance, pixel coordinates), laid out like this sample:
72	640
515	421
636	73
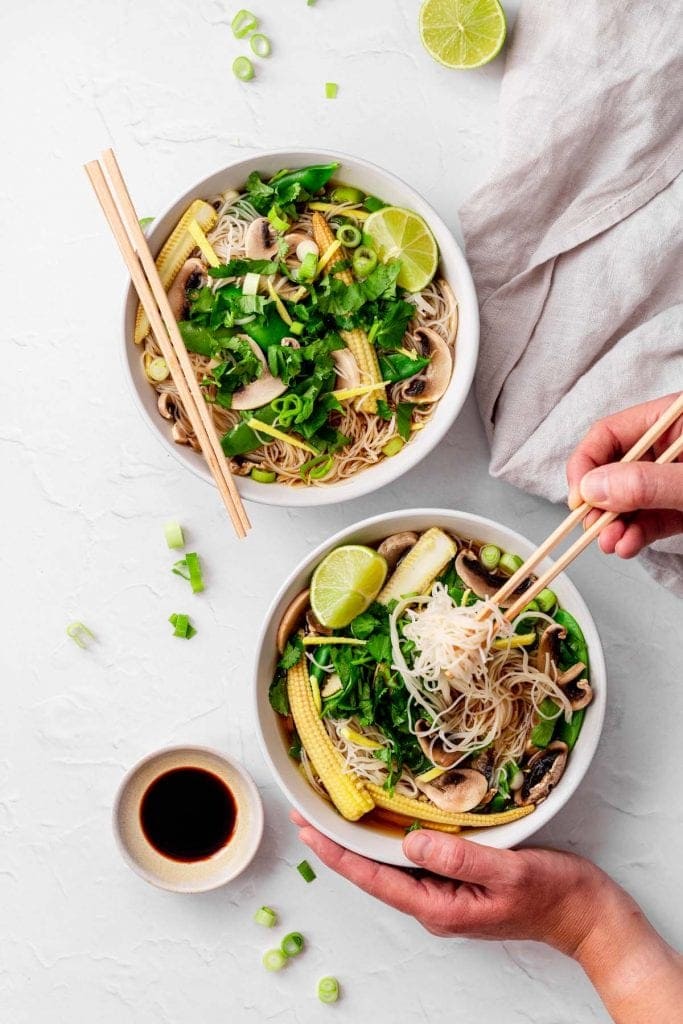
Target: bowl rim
503	836
280	495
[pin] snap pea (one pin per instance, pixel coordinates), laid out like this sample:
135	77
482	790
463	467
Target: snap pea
576	641
499	803
569	731
322	657
542	733
311	179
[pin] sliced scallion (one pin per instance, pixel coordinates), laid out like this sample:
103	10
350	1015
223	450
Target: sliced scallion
263	476
297	328
349	235
265	916
157	369
80	634
243	69
306	871
489	556
546	600
250	284
364	261
317	468
292	944
393	446
328	990
509	563
190	570
331	90
182	626
173	532
243	23
260	44
274	960
277	218
145	222
308	268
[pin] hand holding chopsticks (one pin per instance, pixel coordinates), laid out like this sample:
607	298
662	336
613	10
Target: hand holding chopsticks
118	209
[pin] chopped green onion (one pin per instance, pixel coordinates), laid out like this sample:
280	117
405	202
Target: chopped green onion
190	569
510	563
317	468
157	369
243	69
349	235
274	960
263	476
243	23
546	600
292	944
489	556
310	3
276	218
145	222
80	634
260	44
364	261
173	532
182	626
393	446
265	916
250	284
328	990
306	871
532	606
376	324
331	89
308	268
372	203
296	327
347	194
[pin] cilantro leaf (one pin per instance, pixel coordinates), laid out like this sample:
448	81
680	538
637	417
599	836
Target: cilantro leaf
237	268
292	653
277	695
397	366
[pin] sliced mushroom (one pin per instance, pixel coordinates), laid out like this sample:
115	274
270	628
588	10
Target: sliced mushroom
300	243
549	647
484	762
545	771
393	548
290	342
316	627
332	685
578	692
432	747
190	275
260	241
291	618
239	467
262	390
348	371
458	790
166	404
484	584
429	384
179	434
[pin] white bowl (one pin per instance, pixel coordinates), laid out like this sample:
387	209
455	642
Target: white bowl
374	180
368	840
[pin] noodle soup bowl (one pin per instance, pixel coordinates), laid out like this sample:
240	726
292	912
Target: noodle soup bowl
370	839
453	267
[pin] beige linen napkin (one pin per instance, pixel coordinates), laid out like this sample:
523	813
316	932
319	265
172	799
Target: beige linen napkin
575	242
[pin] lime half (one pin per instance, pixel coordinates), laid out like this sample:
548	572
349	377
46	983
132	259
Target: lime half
345	583
400	234
462	33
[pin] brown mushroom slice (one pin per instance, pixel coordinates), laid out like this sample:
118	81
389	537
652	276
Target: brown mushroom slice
545	771
578	692
316	627
432	746
348	371
293	614
262	390
167	405
260	240
484	762
430	383
185	278
484	584
179	434
393	548
549	647
458	790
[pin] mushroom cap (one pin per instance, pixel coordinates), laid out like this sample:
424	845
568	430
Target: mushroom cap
179	434
432	746
545	771
262	390
348	371
578	692
177	293
549	646
166	404
293	614
484	584
458	790
260	240
394	547
429	384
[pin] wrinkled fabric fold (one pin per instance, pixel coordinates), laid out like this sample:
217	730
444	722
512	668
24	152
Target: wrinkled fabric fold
575	242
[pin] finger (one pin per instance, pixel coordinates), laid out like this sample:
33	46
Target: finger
611	535
458	858
391	885
629	487
647	528
297	818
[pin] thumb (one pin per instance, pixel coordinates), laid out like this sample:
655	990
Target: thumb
453	857
624	487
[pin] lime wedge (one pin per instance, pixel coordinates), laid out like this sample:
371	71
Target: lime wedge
401	234
345	583
462	33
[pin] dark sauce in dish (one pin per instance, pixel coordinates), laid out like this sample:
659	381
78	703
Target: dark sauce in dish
188	814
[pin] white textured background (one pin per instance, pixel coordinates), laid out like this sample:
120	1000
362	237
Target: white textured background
86	489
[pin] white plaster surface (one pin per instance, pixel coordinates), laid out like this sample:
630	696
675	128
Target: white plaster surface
86	489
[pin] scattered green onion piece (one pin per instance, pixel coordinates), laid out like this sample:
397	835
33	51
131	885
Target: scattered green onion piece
173	532
243	69
279	222
331	89
310	3
265	916
306	871
145	222
393	446
297	328
376	324
349	235
510	563
263	476
196	578
157	369
546	600
347	194
364	261
292	944
316	468
260	44
182	626
243	23
372	204
308	268
79	633
180	569
274	960
532	606
328	990
250	284
489	556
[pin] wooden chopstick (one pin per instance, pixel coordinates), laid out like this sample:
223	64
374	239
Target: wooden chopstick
154	301
659	427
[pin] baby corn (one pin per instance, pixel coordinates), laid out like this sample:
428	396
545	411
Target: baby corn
418	809
347	793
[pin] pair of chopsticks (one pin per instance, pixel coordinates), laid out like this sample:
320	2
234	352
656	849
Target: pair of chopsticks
640	448
120	213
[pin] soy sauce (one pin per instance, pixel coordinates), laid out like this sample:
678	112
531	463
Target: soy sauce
188	814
